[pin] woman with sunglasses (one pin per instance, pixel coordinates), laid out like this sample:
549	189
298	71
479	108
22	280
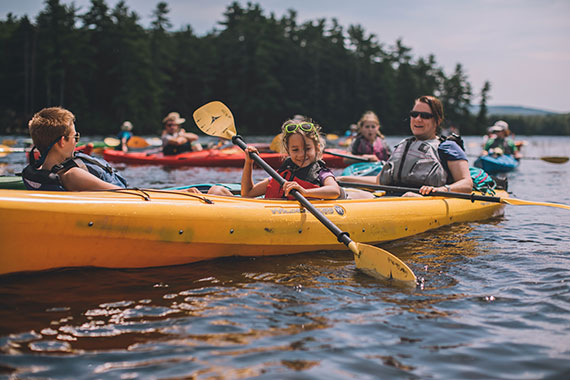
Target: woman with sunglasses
303	170
369	143
423	160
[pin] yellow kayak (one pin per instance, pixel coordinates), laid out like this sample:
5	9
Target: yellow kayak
136	229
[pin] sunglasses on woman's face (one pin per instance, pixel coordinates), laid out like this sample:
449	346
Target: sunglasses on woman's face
306	127
423	115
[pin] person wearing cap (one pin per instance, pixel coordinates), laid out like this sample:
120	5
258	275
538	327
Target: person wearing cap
125	135
176	140
498	143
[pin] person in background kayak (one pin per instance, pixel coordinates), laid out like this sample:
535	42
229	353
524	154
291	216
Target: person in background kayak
176	140
60	168
499	143
124	136
423	160
303	170
369	143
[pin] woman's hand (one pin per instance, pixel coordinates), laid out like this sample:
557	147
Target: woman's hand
425	190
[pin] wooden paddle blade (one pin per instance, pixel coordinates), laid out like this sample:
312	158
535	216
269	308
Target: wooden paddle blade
519	202
111	141
215	119
276	143
555	160
137	142
381	264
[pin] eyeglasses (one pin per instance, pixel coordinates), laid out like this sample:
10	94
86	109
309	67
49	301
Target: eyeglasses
306	127
76	136
171	124
423	115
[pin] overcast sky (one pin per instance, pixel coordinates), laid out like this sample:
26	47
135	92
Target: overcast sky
521	46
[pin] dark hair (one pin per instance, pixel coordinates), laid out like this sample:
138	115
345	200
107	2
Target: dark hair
436	108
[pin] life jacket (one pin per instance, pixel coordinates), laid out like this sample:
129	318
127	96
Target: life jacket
500	143
415	163
362	146
49	180
307	177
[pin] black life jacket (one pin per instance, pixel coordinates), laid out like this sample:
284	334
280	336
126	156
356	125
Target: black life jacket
49	180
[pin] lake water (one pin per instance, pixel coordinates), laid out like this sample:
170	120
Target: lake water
495	303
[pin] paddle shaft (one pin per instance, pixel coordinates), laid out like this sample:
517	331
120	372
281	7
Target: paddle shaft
352	157
341	235
472	197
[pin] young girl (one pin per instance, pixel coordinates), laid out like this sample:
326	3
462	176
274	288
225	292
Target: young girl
369	142
303	170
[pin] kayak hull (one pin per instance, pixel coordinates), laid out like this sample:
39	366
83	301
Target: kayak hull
231	157
499	164
44	230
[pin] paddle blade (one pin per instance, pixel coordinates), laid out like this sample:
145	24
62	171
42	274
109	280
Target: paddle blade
521	202
112	142
215	119
276	143
555	160
381	264
137	142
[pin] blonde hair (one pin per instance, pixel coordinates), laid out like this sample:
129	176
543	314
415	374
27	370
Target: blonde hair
49	124
314	135
370	115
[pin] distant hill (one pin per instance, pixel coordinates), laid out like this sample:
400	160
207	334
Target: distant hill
512	110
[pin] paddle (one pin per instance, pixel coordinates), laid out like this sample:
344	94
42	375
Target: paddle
111	142
551	159
6	150
472	197
137	142
215	119
352	157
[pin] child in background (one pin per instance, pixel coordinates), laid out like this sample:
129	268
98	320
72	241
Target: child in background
125	135
370	143
303	170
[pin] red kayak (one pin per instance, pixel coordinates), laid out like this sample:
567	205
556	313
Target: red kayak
231	157
87	149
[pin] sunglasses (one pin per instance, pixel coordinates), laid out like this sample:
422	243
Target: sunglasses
423	115
305	127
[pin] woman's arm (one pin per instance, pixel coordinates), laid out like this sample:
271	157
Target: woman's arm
462	179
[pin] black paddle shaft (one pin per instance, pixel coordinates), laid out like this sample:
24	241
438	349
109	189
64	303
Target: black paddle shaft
472	197
352	157
342	236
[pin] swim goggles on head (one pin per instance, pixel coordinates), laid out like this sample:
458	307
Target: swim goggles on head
305	127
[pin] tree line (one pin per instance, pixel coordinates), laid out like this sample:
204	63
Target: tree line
104	66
